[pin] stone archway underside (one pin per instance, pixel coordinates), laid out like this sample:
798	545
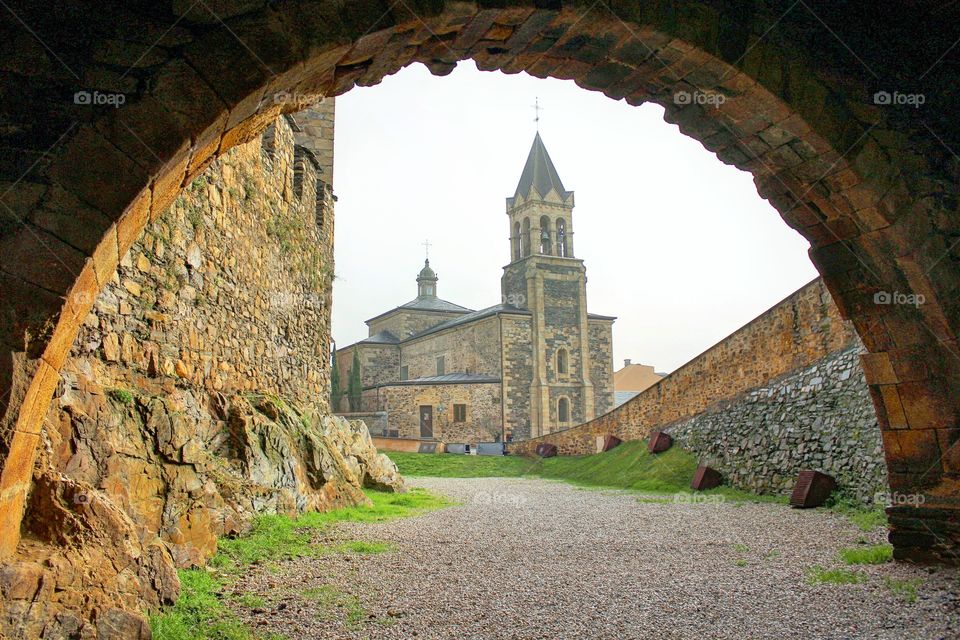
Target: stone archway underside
783	91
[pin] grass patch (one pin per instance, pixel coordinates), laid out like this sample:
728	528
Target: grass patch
866	518
819	575
628	466
331	600
904	589
200	612
446	465
362	546
275	537
121	395
871	554
250	601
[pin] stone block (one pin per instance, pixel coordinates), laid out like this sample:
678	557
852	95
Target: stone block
659	442
812	489
706	478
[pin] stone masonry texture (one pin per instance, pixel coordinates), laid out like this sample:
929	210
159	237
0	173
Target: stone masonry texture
194	398
784	392
872	185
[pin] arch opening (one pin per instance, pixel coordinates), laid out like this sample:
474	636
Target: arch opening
852	193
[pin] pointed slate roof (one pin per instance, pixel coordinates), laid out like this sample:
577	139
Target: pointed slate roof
540	174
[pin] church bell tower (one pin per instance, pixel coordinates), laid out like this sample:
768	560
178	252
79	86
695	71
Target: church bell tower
545	278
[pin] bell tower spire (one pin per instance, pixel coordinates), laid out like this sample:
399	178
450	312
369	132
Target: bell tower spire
544	278
541	209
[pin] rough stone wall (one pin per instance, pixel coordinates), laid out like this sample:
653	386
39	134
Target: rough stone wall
193	399
517	375
229	290
316	125
404	324
601	364
820	417
402	404
379	364
472	348
799	331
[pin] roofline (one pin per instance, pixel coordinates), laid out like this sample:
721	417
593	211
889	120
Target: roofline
419	383
403	308
597	316
433	330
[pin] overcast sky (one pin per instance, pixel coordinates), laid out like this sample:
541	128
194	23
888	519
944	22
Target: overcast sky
676	244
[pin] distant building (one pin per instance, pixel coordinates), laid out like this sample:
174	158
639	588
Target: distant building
632	379
535	363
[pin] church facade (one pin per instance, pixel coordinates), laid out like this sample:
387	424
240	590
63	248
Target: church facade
537	362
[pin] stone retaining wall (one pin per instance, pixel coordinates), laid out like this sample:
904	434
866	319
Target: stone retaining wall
783	392
820	417
802	329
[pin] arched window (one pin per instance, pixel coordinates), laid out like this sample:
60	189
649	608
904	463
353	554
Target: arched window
516	241
526	236
563	410
561	361
545	248
562	238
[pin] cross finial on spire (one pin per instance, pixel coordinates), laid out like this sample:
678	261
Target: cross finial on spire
426	243
536	110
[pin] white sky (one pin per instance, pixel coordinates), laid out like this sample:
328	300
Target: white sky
676	244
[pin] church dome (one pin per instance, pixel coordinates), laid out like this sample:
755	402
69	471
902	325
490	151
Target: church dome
427	273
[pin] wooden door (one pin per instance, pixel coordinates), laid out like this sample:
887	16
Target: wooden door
426	421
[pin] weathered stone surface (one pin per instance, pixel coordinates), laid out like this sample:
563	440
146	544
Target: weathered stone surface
174	422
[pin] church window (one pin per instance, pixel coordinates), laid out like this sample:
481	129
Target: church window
545	236
526	236
562	238
459	413
517	251
563	410
440	365
562	361
404	372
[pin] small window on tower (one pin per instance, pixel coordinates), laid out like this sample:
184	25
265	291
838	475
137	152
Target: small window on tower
440	366
459	413
562	361
563	410
429	290
404	372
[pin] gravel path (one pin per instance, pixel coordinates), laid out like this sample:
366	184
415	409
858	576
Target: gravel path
526	558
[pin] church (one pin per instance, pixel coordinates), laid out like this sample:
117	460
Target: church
537	362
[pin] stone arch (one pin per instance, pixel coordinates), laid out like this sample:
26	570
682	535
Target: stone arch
873	188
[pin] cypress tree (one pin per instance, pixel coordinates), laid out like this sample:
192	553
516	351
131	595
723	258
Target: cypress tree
354	386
